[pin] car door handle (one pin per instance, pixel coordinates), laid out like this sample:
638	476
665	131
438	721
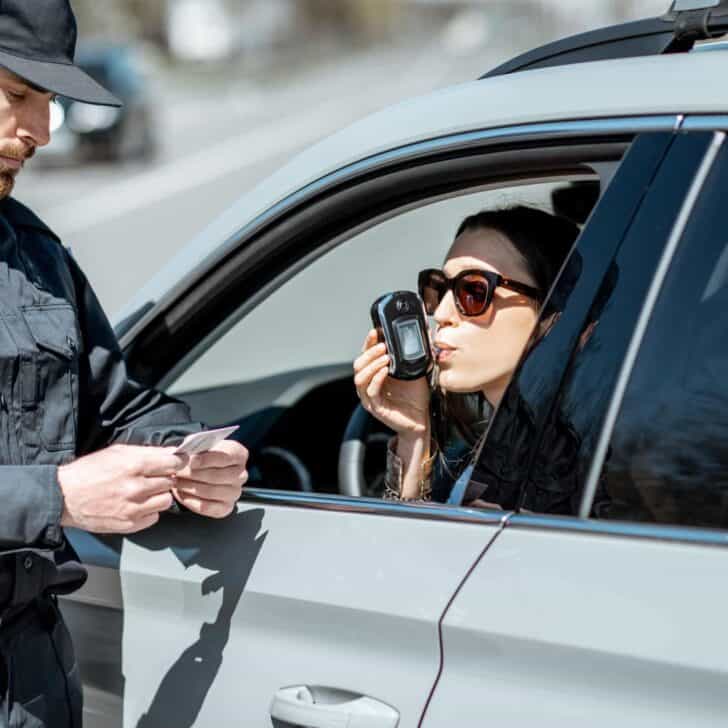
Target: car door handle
318	707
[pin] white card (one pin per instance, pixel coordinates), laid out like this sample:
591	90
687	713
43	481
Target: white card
202	441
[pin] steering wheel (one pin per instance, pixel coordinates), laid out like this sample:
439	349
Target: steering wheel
360	439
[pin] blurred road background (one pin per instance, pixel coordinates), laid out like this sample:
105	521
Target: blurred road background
219	93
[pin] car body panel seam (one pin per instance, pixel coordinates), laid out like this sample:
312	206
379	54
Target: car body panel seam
441	643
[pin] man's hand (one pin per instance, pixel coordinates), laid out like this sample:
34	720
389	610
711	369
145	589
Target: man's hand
121	489
212	481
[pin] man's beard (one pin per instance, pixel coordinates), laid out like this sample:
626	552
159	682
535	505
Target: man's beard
7	181
7	174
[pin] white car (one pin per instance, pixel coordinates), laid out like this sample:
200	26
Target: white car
320	604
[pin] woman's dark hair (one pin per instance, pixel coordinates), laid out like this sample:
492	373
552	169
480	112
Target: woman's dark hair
543	241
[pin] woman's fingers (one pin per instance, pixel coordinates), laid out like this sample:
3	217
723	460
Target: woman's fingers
369	356
371	370
364	376
371	339
374	389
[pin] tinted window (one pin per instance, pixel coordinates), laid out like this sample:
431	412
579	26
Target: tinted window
669	453
533	452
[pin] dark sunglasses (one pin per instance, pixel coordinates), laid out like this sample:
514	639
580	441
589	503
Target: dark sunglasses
472	289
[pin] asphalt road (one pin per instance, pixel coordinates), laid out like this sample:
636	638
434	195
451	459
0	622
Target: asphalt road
219	138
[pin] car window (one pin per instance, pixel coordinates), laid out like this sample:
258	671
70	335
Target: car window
281	366
668	461
321	315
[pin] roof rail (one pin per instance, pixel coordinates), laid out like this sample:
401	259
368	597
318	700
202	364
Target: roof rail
686	22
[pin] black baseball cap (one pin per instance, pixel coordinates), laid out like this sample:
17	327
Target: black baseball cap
38	43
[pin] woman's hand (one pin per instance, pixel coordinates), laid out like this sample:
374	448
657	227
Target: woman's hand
401	405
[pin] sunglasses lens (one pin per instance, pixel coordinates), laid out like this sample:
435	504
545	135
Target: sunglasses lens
432	289
473	293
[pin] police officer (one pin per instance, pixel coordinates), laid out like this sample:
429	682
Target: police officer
81	444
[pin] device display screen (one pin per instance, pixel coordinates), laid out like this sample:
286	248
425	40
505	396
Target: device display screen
410	339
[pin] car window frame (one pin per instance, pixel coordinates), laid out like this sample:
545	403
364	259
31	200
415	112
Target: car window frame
266	260
165	318
163	314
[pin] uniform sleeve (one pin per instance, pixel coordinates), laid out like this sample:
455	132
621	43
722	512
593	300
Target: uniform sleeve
113	408
32	506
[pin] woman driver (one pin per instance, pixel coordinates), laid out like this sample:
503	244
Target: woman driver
485	303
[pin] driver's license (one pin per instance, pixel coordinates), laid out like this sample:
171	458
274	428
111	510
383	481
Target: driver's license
202	441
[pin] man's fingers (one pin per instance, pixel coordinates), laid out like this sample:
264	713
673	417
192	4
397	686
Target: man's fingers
208	491
144	488
231	475
142	523
155	504
218	458
209	508
160	461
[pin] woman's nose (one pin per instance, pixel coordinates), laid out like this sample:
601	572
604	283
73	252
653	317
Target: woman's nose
446	311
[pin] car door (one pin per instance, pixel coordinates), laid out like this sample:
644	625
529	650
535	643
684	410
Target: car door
615	617
307	607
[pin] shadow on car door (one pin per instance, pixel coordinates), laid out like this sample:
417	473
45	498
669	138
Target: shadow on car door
217	621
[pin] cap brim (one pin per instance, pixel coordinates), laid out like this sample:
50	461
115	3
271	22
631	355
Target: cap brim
63	79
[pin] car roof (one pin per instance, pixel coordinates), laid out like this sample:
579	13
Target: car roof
681	83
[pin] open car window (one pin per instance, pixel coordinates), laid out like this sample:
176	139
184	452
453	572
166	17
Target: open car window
319	317
283	370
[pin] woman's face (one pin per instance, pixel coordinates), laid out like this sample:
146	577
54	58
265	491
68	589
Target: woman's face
480	353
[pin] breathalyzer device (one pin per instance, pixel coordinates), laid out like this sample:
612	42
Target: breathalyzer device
401	323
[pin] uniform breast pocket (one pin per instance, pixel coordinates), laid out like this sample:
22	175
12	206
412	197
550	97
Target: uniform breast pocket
50	375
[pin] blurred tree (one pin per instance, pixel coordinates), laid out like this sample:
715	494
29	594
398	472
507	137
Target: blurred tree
121	18
150	16
366	18
375	18
103	17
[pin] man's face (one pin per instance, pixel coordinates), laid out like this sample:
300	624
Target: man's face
24	125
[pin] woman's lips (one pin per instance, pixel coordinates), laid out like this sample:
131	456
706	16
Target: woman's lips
443	352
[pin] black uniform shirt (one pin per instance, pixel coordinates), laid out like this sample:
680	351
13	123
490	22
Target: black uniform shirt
64	392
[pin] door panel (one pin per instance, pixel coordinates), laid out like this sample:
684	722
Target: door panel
219	616
569	629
